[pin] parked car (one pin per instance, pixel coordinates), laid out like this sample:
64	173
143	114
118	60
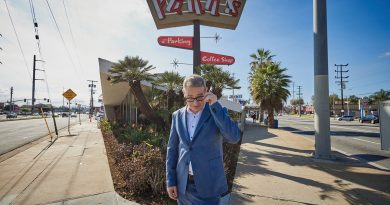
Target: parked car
369	118
73	115
12	115
345	118
64	114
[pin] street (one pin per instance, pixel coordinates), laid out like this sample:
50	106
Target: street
16	133
351	137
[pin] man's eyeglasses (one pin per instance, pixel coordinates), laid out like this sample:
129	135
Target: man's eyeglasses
199	99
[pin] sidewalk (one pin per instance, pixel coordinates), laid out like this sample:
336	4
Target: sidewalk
276	167
73	170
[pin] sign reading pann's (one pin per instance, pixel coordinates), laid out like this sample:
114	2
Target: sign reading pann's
216	13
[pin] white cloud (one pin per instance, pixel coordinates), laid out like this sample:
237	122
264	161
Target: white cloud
100	28
386	54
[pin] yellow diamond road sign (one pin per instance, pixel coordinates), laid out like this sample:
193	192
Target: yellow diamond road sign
69	94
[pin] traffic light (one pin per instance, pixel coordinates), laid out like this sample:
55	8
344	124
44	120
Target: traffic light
12	90
48	100
25	100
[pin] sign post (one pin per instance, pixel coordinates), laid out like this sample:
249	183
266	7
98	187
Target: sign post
221	14
69	95
69	117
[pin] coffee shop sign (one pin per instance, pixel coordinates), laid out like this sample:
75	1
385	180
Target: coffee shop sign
173	13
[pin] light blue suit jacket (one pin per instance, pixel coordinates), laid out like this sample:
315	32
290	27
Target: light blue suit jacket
204	151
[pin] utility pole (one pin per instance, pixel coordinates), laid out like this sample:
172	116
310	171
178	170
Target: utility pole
299	99
342	82
196	43
92	86
63	99
11	103
33	84
293	91
321	81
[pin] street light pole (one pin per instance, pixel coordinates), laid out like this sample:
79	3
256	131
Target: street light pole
321	81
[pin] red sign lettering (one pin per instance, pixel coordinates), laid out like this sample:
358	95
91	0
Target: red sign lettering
159	8
213	7
175	6
216	59
176	41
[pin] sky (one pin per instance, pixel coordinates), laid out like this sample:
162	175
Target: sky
358	35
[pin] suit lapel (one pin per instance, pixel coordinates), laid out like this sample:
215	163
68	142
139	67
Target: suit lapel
205	116
183	125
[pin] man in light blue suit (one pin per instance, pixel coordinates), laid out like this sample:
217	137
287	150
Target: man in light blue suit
194	166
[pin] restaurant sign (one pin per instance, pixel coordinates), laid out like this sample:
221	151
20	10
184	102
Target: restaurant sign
216	59
176	41
216	13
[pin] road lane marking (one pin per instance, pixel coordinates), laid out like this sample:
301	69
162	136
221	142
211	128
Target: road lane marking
346	128
366	140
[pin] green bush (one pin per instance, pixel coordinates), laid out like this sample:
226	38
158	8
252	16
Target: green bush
137	135
105	125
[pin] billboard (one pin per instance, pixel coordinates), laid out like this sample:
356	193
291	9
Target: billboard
216	13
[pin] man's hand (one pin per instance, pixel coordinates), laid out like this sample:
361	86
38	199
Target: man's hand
210	98
172	192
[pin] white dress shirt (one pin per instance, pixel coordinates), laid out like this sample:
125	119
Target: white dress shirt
192	122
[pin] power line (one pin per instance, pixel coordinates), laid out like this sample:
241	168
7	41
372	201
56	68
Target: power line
71	33
35	23
17	37
368	84
62	38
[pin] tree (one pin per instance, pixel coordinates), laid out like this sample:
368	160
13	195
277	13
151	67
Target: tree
258	59
353	99
217	78
381	95
269	88
173	82
297	102
133	70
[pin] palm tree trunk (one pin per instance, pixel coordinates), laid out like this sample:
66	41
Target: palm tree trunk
271	121
261	115
217	92
144	105
171	98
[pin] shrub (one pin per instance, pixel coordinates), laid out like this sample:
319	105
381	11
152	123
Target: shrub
144	171
137	135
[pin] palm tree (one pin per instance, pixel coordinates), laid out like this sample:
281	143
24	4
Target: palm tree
133	70
173	82
380	96
219	79
353	99
258	59
269	88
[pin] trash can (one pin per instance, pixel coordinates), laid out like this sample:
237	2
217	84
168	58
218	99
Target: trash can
276	124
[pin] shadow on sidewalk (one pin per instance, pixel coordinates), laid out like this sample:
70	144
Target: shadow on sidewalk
253	162
333	133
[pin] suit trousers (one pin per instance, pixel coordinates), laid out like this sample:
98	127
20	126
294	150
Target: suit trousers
191	197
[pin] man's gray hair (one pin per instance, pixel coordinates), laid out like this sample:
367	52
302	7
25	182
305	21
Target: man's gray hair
193	81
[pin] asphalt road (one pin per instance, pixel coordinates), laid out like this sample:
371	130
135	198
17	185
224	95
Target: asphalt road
350	137
14	134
